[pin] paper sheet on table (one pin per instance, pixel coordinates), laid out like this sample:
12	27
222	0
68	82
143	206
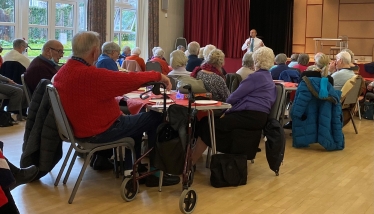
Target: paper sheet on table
132	95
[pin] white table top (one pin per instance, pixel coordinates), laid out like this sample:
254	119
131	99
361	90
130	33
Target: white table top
198	107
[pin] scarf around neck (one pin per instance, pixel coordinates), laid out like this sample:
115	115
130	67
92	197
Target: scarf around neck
207	67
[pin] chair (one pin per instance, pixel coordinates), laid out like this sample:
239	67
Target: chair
173	81
155	66
131	65
26	89
233	81
351	98
276	111
180	41
340	45
67	135
13	70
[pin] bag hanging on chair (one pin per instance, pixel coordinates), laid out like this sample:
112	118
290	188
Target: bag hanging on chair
228	170
368	110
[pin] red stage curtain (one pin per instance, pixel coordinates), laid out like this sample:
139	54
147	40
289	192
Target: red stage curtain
223	23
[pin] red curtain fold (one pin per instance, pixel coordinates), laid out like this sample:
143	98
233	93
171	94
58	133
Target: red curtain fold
223	23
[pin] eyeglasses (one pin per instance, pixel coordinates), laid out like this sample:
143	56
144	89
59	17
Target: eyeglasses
58	51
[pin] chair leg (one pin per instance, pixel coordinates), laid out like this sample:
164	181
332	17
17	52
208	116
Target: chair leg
160	180
63	165
121	167
71	166
77	183
207	165
353	122
115	162
359	111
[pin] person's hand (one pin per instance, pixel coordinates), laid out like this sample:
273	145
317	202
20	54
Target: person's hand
164	79
11	82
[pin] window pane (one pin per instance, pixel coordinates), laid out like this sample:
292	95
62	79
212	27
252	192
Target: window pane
82	16
64	15
37	38
128	20
6	38
7	11
116	38
128	39
133	3
117	18
65	37
38	12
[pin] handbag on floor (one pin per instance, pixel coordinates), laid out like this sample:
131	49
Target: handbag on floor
368	110
228	170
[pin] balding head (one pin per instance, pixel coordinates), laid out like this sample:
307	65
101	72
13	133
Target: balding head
53	49
86	45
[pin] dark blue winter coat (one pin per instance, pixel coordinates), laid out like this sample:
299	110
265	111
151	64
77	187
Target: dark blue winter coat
317	115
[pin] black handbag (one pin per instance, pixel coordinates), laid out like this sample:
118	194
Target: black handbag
228	170
368	110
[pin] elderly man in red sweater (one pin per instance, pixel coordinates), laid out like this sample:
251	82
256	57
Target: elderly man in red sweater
88	96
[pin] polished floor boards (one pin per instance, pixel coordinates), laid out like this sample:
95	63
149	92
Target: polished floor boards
311	181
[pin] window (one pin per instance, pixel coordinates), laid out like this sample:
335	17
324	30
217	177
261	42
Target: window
41	20
125	22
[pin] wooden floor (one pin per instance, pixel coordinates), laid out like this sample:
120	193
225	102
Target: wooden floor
311	181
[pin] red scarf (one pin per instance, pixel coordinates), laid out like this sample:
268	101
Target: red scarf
207	67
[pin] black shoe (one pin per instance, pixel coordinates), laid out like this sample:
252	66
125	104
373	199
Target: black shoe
288	125
168	180
102	163
25	175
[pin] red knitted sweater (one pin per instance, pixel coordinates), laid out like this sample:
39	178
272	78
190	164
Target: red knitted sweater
88	95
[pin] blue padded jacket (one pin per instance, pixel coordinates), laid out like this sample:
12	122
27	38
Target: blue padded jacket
317	115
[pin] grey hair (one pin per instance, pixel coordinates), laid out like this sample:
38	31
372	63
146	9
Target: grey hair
180	47
83	42
154	49
193	48
247	60
159	53
126	48
303	59
344	56
350	53
17	43
280	58
108	47
207	51
263	58
178	59
136	51
294	57
216	58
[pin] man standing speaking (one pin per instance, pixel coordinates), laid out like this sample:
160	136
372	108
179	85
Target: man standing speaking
252	43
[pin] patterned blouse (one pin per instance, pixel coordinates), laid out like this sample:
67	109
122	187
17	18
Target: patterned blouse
215	85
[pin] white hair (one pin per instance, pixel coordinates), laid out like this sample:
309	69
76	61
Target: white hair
216	58
159	53
83	42
207	51
344	56
154	49
108	47
136	51
193	48
201	52
187	53
263	58
178	59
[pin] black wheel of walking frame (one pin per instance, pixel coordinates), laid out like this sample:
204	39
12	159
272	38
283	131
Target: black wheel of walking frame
128	193
188	201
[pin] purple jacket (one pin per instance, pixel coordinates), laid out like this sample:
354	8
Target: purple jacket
257	93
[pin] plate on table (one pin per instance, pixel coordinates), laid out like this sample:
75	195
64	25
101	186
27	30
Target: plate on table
132	95
206	102
161	101
278	81
160	106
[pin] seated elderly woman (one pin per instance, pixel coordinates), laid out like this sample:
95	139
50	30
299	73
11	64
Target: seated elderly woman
159	57
178	61
110	53
280	61
135	56
302	62
211	74
251	104
247	66
293	60
193	61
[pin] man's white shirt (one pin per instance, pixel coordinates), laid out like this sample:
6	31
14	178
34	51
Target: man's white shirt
256	45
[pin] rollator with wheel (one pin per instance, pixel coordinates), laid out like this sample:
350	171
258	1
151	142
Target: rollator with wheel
172	152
